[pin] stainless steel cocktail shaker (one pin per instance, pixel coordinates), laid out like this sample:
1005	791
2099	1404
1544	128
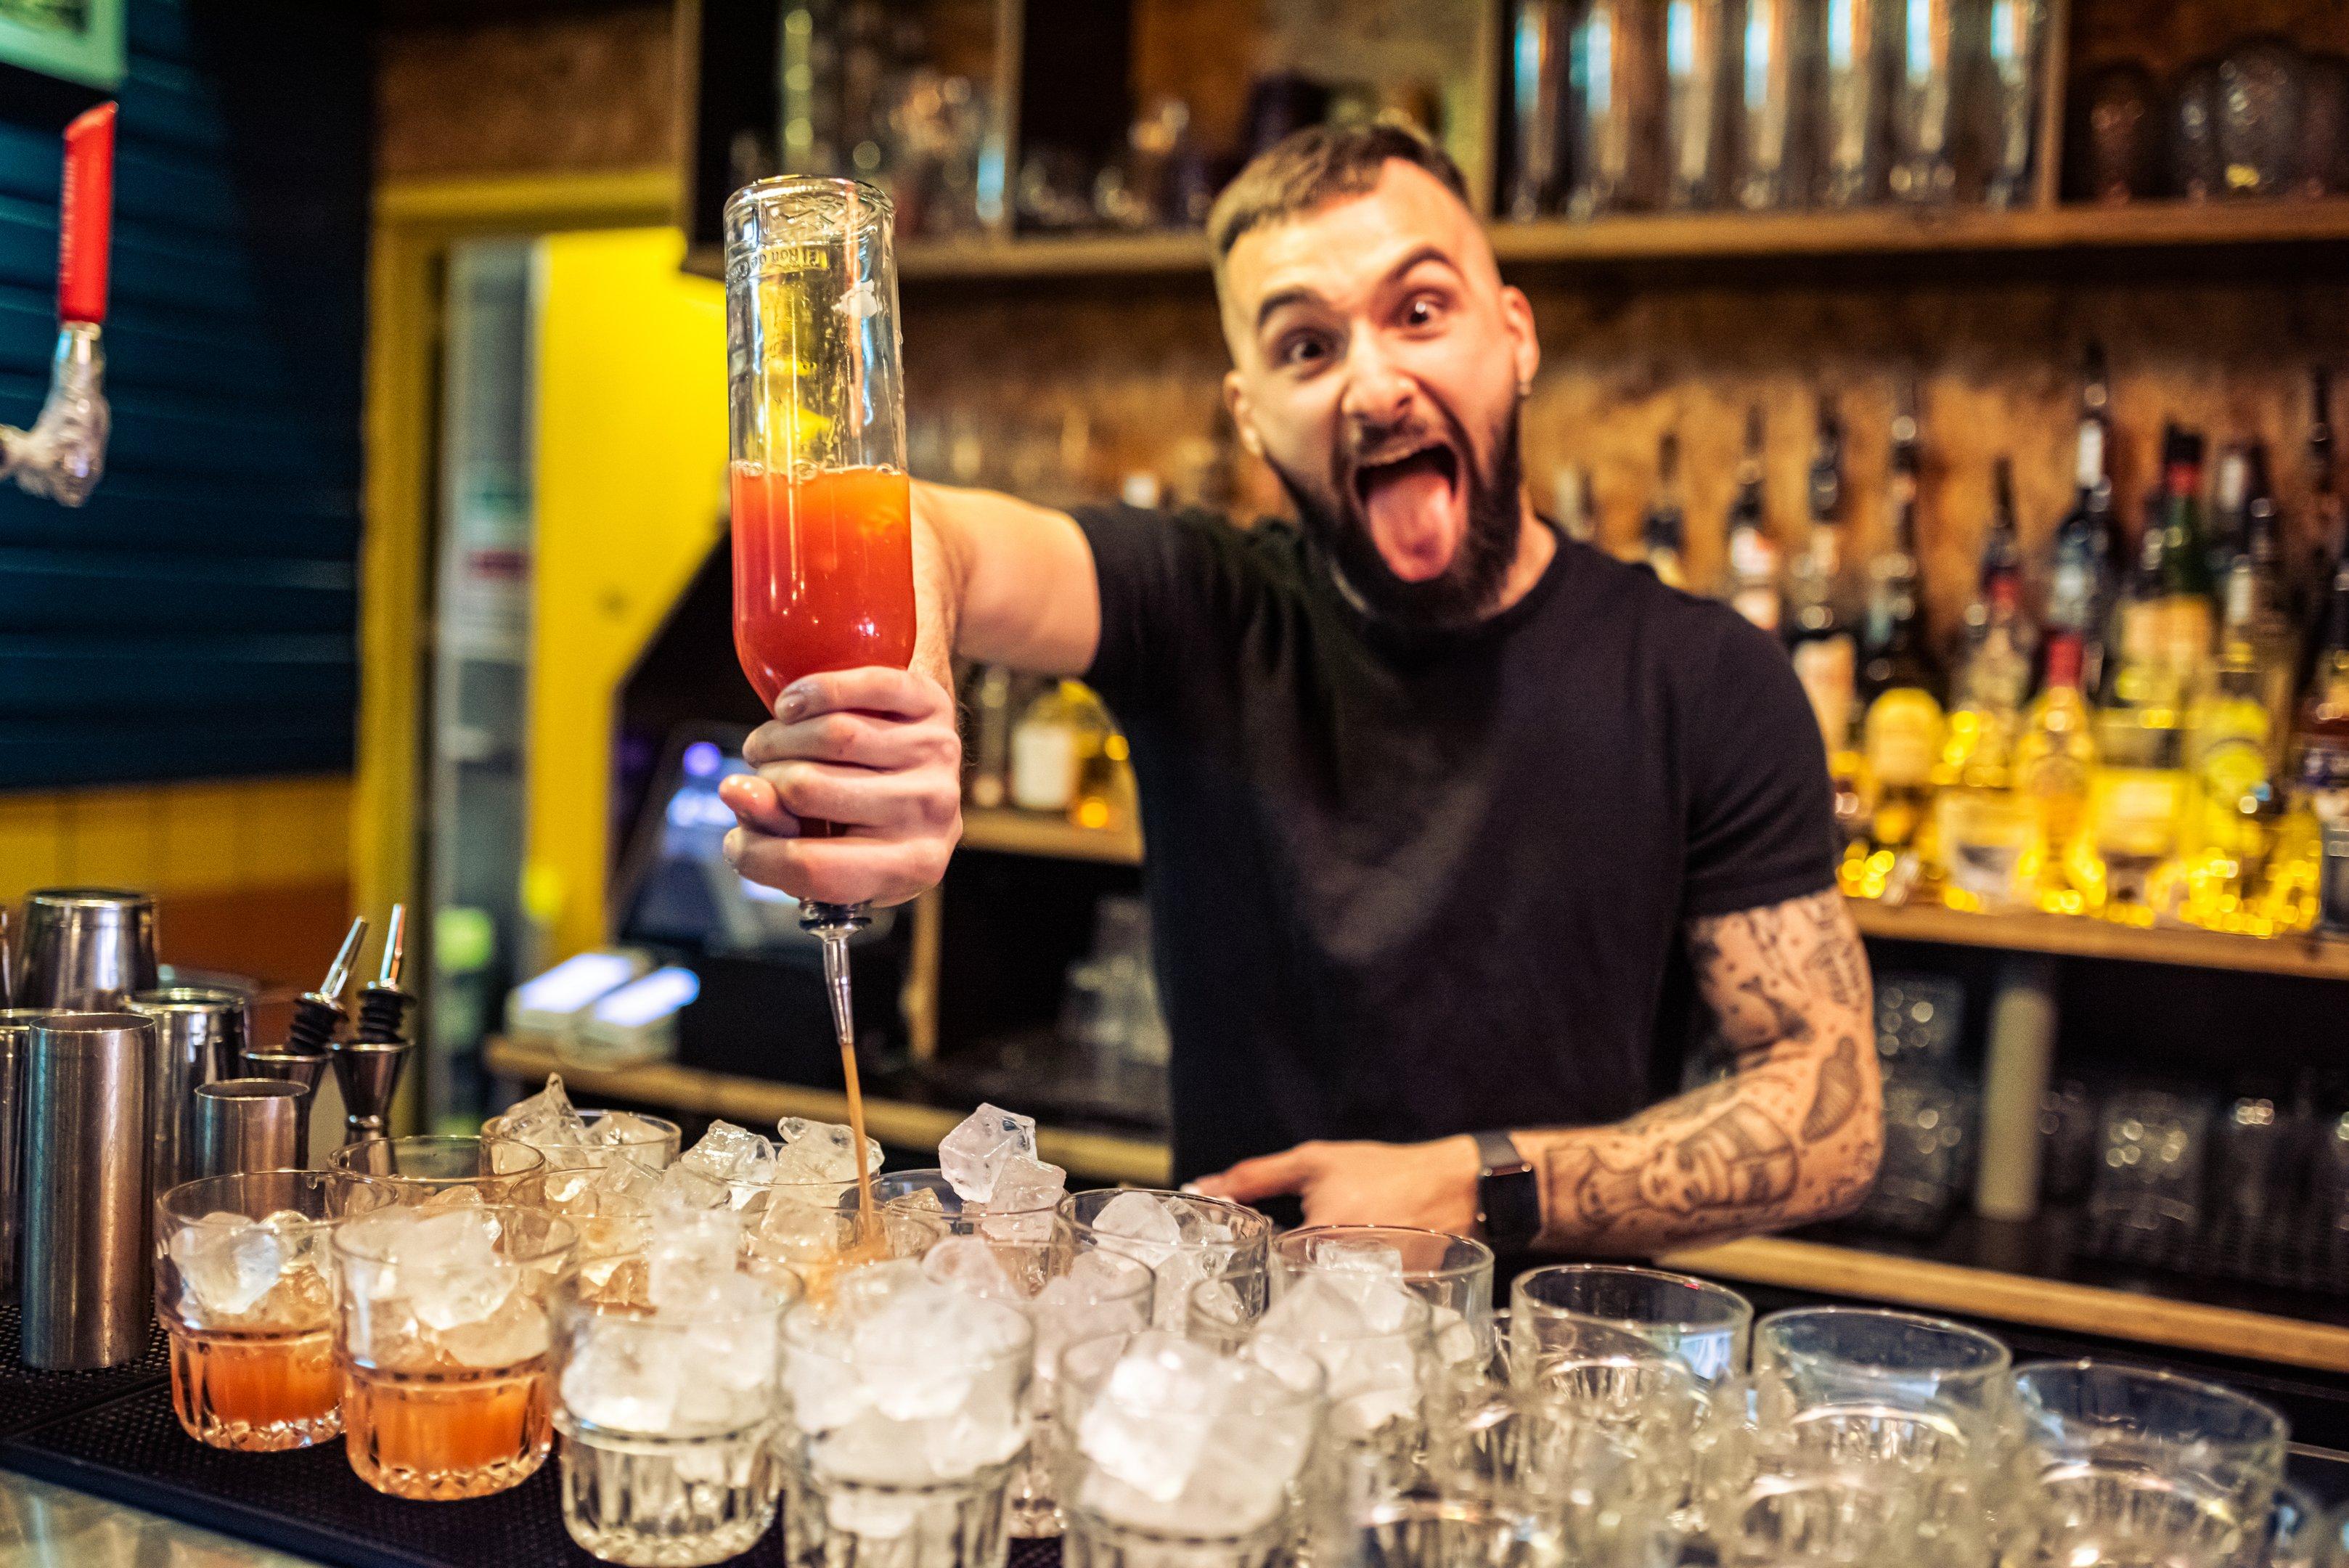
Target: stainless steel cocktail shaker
199	1034
87	947
88	1295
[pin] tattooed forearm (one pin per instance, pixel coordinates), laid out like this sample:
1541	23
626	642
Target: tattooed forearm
1792	1135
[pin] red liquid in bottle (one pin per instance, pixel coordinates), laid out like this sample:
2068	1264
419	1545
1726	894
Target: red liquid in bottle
824	573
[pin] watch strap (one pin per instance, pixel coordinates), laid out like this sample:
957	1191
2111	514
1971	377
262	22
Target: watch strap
1497	1151
1509	1195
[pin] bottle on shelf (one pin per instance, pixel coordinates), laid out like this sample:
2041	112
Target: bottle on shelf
2055	758
2183	612
1983	830
1817	626
990	737
2079	568
2231	807
2331	531
2137	796
1057	749
1901	732
2320	780
1664	533
1753	554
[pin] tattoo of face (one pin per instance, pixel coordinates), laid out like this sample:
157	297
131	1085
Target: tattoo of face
1838	1096
1738	1159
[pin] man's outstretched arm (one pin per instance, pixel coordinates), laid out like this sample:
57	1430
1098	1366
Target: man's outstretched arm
1793	1134
876	750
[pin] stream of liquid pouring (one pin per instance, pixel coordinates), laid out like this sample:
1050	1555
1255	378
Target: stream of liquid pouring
843	1024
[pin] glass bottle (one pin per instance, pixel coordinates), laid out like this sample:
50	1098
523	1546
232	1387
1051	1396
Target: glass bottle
2229	737
2137	796
1987	702
1753	554
1901	734
2321	784
1057	735
2183	609
1818	631
2080	571
1663	532
2054	761
990	737
1892	640
2327	513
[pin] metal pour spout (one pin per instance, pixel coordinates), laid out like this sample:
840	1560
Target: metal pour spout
833	925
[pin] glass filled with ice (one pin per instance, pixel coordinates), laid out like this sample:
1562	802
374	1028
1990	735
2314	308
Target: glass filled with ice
547	1121
796	1197
242	1286
1454	1275
1176	1453
442	1340
406	1170
906	1417
1180	1238
667	1401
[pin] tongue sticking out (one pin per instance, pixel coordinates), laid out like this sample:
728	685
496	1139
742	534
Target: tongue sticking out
1410	506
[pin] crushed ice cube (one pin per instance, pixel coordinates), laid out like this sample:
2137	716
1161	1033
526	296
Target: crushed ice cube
449	1266
1101	1294
1148	1423
692	1259
624	1377
1142	1225
683	1189
973	1155
228	1262
815	1152
968	1264
510	1331
1349	1255
1026	1204
623	1129
731	1153
1359	1328
544	1120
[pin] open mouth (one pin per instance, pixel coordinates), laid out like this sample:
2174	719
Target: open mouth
1412	504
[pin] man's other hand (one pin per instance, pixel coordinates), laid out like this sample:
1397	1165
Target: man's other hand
873	752
1431	1186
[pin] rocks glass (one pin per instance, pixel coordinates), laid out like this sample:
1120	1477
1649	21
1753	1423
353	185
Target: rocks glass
904	1419
652	1142
1068	1297
2123	1464
1580	1310
1180	1238
442	1340
1912	1409
1453	1274
413	1170
243	1287
1177	1456
667	1414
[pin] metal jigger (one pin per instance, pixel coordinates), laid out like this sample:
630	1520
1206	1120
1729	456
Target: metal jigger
367	1068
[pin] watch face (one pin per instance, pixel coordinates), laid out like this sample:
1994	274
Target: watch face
1511	1201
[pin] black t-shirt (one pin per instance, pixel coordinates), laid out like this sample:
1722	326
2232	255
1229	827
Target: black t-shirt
1407	885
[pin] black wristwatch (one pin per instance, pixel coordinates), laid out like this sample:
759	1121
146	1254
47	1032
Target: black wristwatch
1508	1196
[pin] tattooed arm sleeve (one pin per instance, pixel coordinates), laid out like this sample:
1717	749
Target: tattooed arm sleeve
1792	1135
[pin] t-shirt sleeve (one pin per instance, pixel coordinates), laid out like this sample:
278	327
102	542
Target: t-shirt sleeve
1761	808
1164	580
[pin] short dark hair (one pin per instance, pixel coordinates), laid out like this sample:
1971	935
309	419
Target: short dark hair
1310	167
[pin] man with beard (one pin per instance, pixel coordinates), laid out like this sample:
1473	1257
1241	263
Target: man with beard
1453	821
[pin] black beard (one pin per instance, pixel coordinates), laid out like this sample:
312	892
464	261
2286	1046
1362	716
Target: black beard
1468	589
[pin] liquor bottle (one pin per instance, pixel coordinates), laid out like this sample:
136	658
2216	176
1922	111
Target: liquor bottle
2183	610
2229	730
2080	574
2321	784
2311	607
2055	759
1892	640
2270	625
1818	629
2137	796
2229	488
990	730
1663	532
1987	700
1753	554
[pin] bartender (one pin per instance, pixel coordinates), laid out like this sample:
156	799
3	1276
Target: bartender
1461	834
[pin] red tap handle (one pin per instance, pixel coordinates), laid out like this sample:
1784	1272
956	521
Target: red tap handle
85	216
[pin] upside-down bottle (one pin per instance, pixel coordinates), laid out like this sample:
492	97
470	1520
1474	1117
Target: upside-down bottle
824	548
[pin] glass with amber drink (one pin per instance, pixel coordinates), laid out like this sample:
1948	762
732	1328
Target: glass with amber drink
243	1287
442	1340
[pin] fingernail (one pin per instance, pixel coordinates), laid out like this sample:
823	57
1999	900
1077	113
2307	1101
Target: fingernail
795	702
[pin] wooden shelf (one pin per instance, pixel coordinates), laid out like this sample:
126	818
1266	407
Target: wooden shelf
2019	1299
2066	936
1701	237
1105	1158
1005	831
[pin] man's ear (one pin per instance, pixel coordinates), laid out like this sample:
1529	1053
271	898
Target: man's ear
1517	315
1235	399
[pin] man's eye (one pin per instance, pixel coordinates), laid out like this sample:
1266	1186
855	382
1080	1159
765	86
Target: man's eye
1303	349
1422	310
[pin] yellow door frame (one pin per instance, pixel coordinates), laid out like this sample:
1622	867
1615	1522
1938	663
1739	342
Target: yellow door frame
416	222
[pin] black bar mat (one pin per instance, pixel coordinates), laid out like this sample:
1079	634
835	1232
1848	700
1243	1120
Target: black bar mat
306	1502
28	1398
